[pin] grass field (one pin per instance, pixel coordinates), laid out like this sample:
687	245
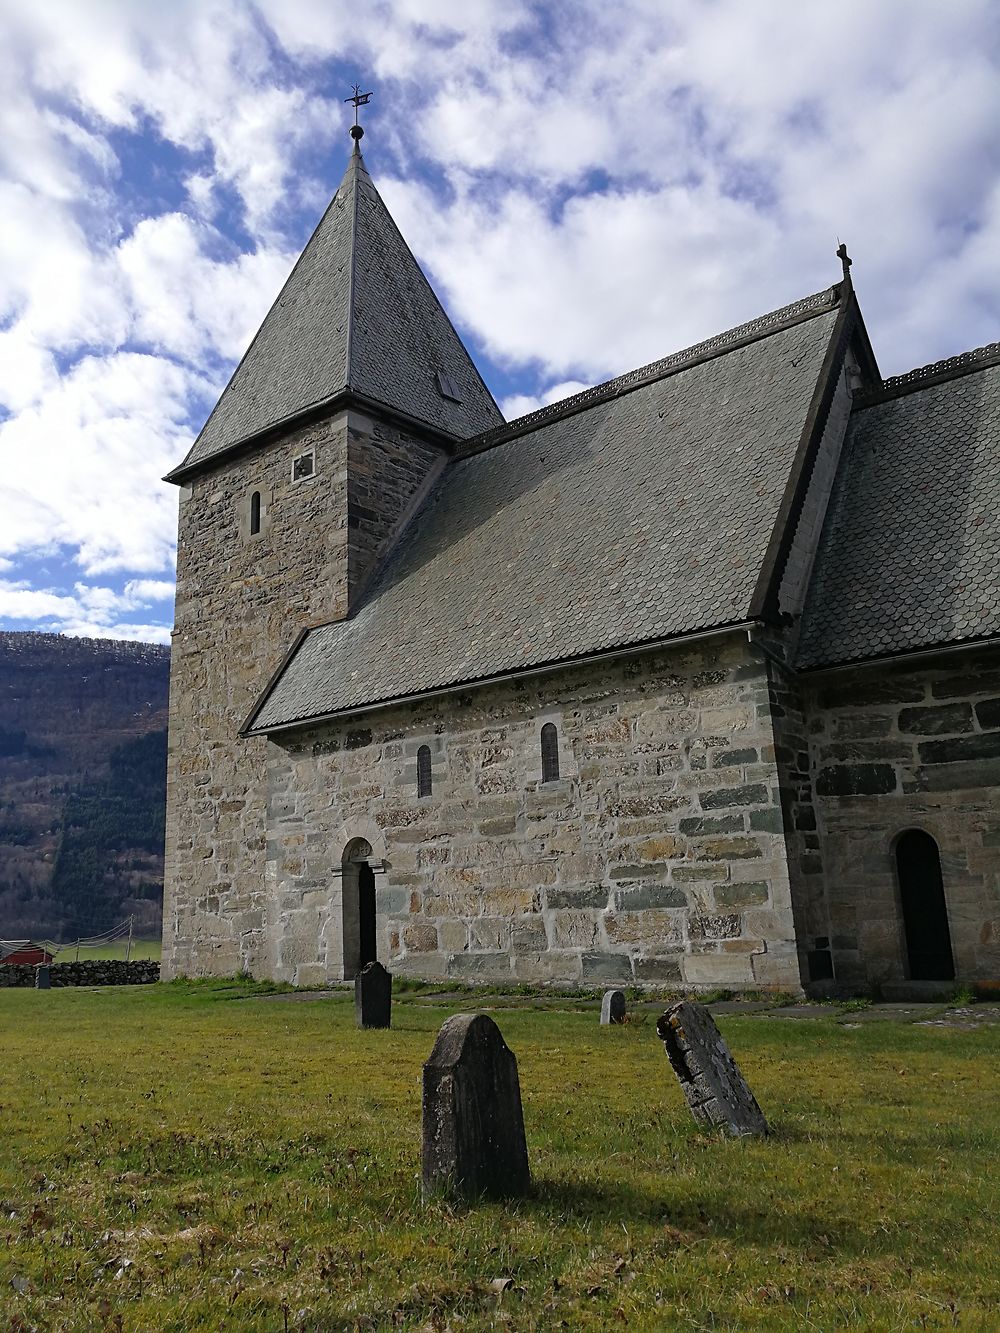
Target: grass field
139	949
179	1158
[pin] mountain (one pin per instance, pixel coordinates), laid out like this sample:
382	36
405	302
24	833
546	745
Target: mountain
82	784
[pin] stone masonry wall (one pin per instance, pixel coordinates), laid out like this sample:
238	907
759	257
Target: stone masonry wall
657	856
802	839
241	601
899	748
388	473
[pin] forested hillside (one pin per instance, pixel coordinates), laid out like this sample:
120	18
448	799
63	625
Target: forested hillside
82	784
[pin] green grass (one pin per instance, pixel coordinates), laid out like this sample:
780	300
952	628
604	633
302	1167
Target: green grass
179	1158
140	949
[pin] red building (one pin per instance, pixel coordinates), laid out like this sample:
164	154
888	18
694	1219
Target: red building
25	952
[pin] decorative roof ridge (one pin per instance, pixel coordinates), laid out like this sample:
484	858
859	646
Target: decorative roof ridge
752	331
355	165
937	372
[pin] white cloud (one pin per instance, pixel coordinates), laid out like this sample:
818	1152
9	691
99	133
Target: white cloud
737	142
91	611
143	592
188	304
606	184
81	466
520	404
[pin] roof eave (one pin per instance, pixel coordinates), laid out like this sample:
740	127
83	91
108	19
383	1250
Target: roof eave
344	398
544	668
944	648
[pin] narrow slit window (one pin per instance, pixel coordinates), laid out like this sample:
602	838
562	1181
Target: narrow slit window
550	753
424	771
255	513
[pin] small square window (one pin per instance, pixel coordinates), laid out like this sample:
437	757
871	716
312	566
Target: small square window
304	466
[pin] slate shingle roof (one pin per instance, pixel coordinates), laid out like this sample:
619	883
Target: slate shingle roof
910	551
645	515
356	313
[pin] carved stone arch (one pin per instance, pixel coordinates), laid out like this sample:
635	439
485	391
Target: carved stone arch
362	830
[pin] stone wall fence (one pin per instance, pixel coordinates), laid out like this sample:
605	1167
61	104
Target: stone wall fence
92	972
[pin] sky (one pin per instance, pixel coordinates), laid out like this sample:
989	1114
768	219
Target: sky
589	186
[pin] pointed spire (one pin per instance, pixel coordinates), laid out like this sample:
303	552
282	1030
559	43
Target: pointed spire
356	319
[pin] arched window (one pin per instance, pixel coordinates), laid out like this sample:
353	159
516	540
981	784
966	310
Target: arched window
925	912
255	513
424	771
550	753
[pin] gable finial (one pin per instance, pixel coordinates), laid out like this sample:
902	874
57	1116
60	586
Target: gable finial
845	259
359	99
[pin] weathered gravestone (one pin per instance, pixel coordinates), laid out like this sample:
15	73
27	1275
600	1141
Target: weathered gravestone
473	1130
716	1091
613	1007
373	996
43	980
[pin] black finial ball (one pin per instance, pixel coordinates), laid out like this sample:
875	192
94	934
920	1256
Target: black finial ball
357	133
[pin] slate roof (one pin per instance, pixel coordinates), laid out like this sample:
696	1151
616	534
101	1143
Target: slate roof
356	313
638	511
910	549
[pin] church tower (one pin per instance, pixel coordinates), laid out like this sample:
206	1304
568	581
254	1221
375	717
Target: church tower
337	421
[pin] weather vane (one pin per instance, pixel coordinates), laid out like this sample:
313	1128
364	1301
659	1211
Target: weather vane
358	98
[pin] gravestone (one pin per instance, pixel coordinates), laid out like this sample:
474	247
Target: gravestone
373	996
716	1091
473	1127
42	979
613	1007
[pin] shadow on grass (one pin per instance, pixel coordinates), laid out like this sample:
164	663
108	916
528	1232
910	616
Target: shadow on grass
701	1217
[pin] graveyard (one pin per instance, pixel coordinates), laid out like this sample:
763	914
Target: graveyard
216	1155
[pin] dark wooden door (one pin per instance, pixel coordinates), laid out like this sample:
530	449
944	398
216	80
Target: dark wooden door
366	913
925	913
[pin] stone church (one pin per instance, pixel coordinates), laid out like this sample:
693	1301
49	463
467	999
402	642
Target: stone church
691	679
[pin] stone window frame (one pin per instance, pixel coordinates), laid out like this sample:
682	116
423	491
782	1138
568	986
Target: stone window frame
425	772
408	773
246	513
533	750
306	453
548	744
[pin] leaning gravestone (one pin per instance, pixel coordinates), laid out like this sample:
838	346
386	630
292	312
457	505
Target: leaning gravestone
613	1007
43	980
716	1091
473	1130
373	996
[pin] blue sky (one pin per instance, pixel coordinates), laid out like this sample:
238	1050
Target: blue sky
588	186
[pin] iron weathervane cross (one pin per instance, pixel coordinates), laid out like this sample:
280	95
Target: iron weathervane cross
359	99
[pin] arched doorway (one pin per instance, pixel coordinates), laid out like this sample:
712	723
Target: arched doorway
925	912
366	911
358	881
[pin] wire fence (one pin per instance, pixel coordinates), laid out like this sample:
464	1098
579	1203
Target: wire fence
117	942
